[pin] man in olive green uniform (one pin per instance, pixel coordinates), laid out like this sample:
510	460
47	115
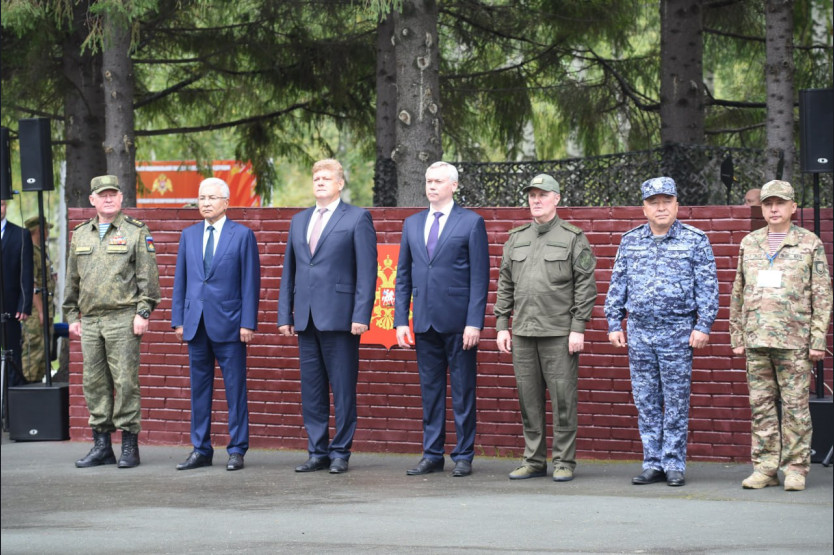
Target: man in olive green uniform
546	282
780	310
112	287
34	363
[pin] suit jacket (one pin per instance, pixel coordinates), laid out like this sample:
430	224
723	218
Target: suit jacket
227	298
450	290
18	277
337	284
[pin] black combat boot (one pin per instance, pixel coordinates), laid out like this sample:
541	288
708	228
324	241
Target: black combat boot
130	450
101	453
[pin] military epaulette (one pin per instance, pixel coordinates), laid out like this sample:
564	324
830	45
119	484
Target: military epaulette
134	221
633	229
693	229
519	228
570	227
82	224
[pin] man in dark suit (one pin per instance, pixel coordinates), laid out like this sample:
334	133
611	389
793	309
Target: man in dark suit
444	268
17	291
327	295
214	308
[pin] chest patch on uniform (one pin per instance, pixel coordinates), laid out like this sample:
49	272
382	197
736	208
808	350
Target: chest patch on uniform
149	243
83	250
117	248
118	238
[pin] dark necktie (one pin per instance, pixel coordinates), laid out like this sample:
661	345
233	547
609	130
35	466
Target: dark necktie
314	236
208	256
434	232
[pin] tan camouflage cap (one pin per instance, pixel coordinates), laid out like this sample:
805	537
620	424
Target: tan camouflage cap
103	183
543	182
34	222
776	188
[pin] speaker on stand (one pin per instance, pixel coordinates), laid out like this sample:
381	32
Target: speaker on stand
38	411
816	147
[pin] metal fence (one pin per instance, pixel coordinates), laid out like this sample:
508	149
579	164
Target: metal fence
614	179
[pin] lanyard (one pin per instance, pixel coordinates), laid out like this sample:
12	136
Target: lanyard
771	258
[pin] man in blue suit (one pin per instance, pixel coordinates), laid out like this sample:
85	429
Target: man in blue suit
17	290
214	308
327	294
444	269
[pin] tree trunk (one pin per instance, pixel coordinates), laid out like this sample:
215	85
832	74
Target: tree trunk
681	72
117	69
385	170
779	74
682	94
418	98
84	121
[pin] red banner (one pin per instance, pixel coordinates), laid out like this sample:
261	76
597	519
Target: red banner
177	183
381	330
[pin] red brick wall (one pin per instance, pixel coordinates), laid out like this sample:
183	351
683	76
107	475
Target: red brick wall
389	391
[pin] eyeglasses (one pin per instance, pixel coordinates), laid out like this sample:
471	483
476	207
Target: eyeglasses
211	199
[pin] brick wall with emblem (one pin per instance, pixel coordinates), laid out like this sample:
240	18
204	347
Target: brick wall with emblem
389	390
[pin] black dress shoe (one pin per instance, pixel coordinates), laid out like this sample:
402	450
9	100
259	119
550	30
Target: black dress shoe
195	460
675	478
235	462
313	464
338	466
426	466
462	468
649	476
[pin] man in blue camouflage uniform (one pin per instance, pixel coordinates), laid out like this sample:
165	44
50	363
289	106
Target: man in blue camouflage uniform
664	279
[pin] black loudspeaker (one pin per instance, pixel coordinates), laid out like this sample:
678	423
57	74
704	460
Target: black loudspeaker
5	165
816	130
35	154
39	412
822	419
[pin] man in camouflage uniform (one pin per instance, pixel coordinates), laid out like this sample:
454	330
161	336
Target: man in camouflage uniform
780	310
112	287
34	363
546	282
664	279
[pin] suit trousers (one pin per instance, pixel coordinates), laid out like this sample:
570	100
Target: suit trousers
543	364
435	353
231	357
13	335
329	360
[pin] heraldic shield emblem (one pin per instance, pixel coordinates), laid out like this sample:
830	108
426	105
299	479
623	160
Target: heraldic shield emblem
382	331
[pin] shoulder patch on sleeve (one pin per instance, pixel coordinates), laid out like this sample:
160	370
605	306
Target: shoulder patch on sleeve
519	228
570	227
149	243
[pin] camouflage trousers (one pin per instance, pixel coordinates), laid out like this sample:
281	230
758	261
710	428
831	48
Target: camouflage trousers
34	364
783	375
111	371
660	360
543	364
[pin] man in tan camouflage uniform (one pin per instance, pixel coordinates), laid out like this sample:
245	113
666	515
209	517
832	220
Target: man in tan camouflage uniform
34	365
780	310
112	287
546	282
